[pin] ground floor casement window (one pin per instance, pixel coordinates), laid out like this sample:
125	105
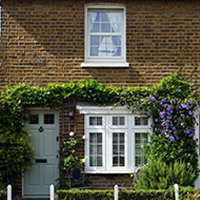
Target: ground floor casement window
114	139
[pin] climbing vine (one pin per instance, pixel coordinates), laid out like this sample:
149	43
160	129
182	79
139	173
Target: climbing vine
171	103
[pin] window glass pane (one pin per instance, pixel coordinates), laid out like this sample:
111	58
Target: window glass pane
33	119
105	27
95	27
144	121
94	40
94	17
115	121
113	19
118	121
48	118
116	28
121	121
141	121
94	51
95	121
116	41
105	17
140	140
96	149
118	149
99	121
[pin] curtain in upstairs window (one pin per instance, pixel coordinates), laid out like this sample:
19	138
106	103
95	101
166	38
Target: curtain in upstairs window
105	34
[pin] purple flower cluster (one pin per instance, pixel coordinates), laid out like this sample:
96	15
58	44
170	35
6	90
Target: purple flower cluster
172	116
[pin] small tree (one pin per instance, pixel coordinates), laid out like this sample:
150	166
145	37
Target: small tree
159	175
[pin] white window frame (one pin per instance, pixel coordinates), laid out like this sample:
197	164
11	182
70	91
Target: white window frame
105	62
109	153
107	129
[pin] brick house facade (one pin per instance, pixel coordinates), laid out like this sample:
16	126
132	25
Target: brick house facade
43	41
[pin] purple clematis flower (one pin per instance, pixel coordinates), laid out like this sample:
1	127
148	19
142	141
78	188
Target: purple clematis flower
173	128
167	136
183	105
190	112
191	135
177	138
169	108
152	98
187	131
163	131
165	100
182	115
172	138
190	102
152	125
174	101
162	114
187	107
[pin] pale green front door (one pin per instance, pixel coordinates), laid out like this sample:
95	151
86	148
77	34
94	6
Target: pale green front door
44	127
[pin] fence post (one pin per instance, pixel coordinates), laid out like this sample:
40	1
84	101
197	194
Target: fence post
51	192
116	192
9	192
176	192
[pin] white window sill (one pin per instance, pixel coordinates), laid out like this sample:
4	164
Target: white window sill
105	64
109	172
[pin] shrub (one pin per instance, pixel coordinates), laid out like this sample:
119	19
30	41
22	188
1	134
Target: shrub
123	194
183	150
15	156
158	175
84	194
3	191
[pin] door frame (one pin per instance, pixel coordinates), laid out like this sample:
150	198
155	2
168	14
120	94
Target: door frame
56	111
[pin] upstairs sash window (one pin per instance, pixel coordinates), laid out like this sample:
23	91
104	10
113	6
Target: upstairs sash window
105	36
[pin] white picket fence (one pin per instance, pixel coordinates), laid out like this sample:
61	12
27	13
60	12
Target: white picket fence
116	191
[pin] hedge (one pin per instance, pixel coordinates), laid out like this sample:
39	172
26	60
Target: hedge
123	194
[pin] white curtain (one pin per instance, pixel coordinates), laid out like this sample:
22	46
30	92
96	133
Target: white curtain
110	23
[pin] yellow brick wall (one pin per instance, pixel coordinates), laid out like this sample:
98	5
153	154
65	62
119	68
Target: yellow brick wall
43	41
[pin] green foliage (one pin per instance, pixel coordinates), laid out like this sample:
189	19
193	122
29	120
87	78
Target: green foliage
3	191
182	150
67	152
123	194
171	103
68	155
159	175
16	155
194	195
84	194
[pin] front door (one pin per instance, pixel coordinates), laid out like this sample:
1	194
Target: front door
44	127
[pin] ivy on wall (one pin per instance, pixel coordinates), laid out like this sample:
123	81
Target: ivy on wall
172	104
